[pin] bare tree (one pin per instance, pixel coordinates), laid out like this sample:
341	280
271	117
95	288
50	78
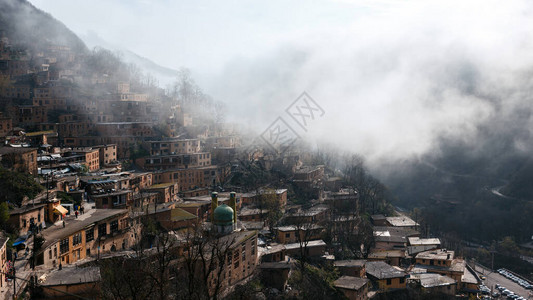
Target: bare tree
125	278
271	206
305	231
205	260
372	193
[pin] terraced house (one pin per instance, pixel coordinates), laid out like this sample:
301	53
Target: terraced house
102	232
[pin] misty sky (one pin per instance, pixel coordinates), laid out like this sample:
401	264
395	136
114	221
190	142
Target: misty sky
391	76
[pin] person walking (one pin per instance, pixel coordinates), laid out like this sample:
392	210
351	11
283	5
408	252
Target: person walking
76	213
63	223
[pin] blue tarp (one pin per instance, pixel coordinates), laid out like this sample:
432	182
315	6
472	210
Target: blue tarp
19	241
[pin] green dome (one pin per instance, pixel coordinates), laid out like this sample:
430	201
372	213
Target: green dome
223	215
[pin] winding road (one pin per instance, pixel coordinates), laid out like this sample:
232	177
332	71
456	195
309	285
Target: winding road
495	191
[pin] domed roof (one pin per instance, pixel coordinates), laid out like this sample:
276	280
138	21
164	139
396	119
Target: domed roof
223	215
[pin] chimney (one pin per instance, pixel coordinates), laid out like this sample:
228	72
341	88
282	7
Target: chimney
214	205
233	205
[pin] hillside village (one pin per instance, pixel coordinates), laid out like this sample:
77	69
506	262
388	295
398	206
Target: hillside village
147	192
117	161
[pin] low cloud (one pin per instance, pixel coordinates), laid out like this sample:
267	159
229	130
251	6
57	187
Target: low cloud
395	84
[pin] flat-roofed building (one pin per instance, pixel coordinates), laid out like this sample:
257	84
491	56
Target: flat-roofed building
74	281
172	146
416	245
255	198
175	218
174	161
386	276
274	253
391	257
443	262
240	261
189	179
29	115
314	214
168	192
88	156
198	208
275	274
252	214
379	220
351	267
3	259
19	159
103	231
23	219
309	173
289	234
392	238
438	257
345	201
353	288
430	282
403	221
107	154
116	200
311	248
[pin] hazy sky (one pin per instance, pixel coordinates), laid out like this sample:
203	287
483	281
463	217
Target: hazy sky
391	76
203	35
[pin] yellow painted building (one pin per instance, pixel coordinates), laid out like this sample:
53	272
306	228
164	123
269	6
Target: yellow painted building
3	259
106	230
386	277
288	234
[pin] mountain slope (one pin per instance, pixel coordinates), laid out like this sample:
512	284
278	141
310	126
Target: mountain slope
24	24
521	185
164	74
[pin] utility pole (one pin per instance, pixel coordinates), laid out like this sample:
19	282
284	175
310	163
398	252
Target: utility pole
14	282
47	185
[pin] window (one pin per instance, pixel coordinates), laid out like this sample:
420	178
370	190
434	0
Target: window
114	226
389	281
64	246
236	256
89	234
76	239
102	229
123	223
253	246
287	235
402	280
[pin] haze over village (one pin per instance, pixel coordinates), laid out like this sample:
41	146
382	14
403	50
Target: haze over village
280	150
